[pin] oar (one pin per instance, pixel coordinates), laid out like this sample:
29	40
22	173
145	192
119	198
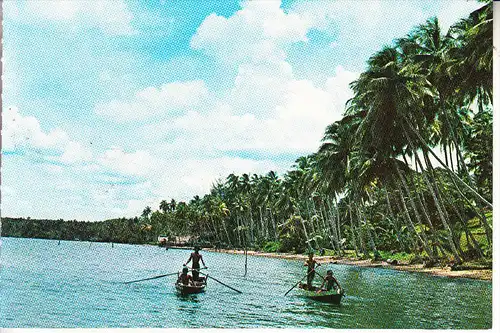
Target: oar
320	276
197	269
222	283
151	278
295	285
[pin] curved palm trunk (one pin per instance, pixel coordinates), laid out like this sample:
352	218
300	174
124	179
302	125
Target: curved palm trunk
376	254
453	174
333	233
353	233
392	221
361	233
478	212
274	224
329	227
421	236
339	231
437	203
441	213
227	234
263	231
240	243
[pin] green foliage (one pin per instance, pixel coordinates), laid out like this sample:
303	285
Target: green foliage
272	247
371	187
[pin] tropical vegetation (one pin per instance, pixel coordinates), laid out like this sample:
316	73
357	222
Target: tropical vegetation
408	168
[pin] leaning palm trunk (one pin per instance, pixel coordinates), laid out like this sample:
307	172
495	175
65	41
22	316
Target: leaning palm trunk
264	232
361	233
227	234
441	213
353	233
409	221
334	234
460	159
478	212
238	230
376	254
468	233
334	240
252	240
406	217
453	174
331	236
422	236
274	225
392	221
339	233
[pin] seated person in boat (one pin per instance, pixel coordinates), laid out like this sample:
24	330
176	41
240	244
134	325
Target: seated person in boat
196	257
185	278
311	266
330	282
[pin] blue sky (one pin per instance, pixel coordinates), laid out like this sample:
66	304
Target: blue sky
109	106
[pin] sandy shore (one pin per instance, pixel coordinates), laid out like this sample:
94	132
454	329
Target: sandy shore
479	274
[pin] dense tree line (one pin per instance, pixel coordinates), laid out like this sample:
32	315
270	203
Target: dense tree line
371	188
122	230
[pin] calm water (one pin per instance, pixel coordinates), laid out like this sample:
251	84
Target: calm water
75	284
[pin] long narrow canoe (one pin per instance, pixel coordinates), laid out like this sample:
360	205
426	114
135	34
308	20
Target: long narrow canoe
333	296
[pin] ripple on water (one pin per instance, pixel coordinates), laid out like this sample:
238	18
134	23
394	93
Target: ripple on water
74	285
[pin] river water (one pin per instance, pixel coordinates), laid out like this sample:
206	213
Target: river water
79	284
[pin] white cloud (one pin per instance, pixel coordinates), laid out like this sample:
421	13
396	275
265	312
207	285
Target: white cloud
167	100
112	17
288	119
19	132
23	134
256	33
75	152
137	163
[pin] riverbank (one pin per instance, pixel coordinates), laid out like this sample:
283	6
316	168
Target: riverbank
478	274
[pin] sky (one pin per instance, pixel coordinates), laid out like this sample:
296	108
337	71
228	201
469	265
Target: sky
110	106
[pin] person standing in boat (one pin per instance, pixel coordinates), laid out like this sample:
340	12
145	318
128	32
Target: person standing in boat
311	269
330	282
196	257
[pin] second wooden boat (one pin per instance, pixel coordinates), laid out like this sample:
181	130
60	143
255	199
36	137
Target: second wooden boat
333	296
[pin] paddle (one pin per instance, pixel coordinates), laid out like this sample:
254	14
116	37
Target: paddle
222	283
151	278
295	285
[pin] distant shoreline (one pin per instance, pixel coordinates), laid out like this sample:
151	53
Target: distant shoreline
476	274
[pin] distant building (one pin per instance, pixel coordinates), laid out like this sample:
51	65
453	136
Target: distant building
182	239
162	239
176	240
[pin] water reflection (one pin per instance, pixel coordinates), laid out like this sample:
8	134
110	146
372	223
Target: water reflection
71	285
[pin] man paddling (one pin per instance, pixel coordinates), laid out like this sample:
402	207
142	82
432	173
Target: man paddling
311	266
196	257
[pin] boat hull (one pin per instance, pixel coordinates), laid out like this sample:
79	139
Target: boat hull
188	290
332	297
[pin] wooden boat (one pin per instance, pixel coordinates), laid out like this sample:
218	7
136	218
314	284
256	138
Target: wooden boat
197	288
332	297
